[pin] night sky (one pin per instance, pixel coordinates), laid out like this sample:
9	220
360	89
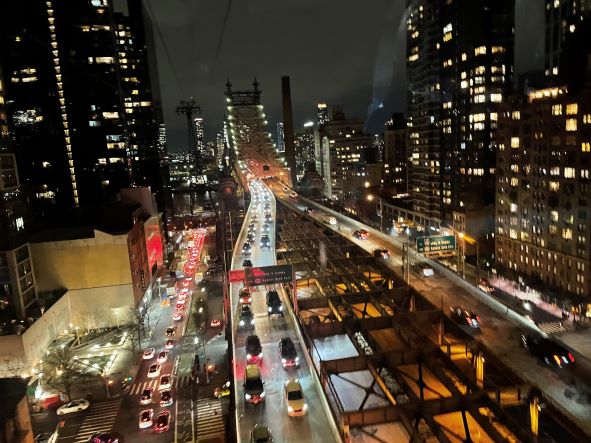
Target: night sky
336	51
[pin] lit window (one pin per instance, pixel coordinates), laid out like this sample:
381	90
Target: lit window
556	109
587	119
464	84
481	50
569	172
585	147
567	233
104	60
447	37
515	115
496	98
464	57
554	186
94	123
498	49
413	58
554	216
110	115
515	142
572	109
571	124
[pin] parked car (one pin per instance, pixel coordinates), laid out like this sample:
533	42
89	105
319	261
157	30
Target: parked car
73	406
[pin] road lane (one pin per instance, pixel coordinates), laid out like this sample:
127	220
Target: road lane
315	426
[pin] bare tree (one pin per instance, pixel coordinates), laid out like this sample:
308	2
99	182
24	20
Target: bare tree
62	370
137	326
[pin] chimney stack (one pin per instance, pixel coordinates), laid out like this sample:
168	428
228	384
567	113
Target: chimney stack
288	130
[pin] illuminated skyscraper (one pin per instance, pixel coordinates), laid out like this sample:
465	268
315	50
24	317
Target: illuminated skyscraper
322	113
280	138
459	71
80	96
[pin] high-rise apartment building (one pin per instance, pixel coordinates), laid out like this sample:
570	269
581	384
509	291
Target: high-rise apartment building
280	137
562	18
459	70
343	146
543	208
79	94
304	142
17	280
396	158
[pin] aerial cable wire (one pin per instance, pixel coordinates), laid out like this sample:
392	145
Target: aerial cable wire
166	52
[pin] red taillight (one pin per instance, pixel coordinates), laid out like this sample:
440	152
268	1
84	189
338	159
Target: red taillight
571	358
478	319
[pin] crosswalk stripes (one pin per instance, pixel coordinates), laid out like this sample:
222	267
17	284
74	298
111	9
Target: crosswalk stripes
101	417
177	382
210	418
556	327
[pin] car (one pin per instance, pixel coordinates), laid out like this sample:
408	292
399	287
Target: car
154	370
423	268
294	398
145	420
214	270
169	344
162	421
162	356
267	206
361	234
186	283
287	353
254	349
293	195
268	218
265	228
547	351
146	397
180	305
308	210
245	296
165	382
246	248
170	331
265	241
285	189
166	398
104	437
149	354
254	391
177	316
246	263
465	316
381	253
215	323
222	391
250	237
252	228
73	406
260	434
246	317
274	305
485	286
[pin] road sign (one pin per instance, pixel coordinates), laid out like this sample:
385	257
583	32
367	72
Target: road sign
268	275
436	244
236	276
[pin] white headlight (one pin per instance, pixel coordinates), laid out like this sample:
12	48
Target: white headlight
289	409
252	322
248	356
283	360
270	309
262	394
281	308
247	396
241	322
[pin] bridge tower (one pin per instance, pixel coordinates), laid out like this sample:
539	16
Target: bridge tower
250	145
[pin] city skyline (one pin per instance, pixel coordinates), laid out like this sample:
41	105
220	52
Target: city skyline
376	74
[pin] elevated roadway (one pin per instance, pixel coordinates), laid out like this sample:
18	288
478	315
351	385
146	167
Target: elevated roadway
568	389
317	425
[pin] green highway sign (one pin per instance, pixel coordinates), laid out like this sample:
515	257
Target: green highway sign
441	243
